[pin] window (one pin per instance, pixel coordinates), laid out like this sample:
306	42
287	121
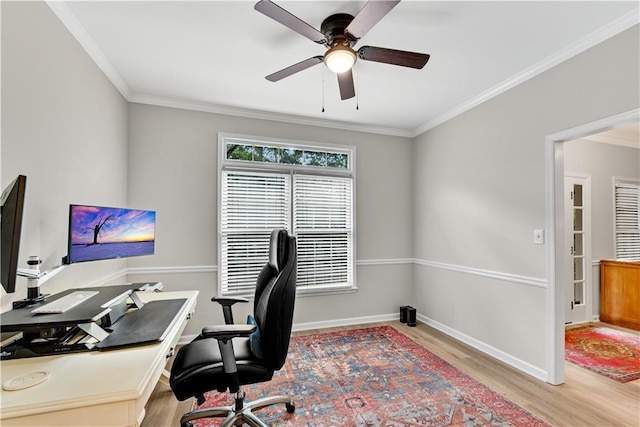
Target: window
627	219
307	189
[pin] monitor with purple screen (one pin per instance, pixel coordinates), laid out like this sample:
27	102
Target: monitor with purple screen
98	232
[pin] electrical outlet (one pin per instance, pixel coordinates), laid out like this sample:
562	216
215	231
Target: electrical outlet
538	236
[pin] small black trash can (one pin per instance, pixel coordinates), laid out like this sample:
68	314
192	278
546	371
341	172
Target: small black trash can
404	316
411	316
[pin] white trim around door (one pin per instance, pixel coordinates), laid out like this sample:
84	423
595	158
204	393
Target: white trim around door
556	271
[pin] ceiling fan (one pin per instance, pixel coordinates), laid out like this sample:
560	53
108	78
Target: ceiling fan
339	33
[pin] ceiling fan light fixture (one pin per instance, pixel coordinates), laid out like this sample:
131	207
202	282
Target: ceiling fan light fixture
340	58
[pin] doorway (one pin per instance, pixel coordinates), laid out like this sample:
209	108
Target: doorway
555	220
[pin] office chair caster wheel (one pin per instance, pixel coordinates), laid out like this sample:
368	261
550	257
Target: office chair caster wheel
291	407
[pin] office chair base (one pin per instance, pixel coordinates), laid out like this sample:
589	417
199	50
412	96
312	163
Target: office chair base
241	416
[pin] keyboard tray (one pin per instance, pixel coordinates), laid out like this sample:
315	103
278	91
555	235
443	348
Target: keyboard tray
143	326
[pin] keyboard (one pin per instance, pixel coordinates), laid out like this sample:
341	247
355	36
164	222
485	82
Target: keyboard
64	303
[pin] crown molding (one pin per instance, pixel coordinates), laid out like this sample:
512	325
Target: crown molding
264	115
61	10
606	32
64	14
68	19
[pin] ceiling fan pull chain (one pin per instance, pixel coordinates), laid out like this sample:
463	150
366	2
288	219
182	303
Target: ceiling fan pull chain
323	89
357	87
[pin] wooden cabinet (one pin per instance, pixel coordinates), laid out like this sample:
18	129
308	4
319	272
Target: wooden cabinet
620	293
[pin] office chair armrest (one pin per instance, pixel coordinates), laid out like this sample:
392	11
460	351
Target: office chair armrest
226	303
223	334
226	332
228	300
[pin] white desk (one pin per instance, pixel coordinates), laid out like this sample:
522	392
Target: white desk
93	388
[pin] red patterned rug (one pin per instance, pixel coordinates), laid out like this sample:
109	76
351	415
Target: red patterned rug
609	352
375	377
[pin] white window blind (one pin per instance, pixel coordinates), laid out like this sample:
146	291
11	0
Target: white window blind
307	189
323	225
252	204
627	219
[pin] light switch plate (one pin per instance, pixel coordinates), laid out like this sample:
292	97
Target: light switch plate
538	236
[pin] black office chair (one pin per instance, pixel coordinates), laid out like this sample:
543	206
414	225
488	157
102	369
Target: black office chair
225	357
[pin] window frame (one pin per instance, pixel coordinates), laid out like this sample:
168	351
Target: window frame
616	182
292	169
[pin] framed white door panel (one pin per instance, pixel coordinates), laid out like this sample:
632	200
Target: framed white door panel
578	243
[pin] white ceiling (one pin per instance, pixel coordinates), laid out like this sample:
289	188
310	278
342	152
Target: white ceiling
213	55
627	136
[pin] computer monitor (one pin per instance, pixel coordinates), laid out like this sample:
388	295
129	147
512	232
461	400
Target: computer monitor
12	202
98	233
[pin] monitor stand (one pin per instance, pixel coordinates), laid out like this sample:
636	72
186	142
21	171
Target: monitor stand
35	278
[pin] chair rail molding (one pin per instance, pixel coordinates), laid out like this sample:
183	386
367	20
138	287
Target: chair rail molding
173	269
392	261
214	268
507	277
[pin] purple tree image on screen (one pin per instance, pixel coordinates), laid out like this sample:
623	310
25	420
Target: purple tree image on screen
97	233
97	228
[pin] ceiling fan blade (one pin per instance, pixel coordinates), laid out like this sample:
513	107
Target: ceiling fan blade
347	88
289	20
393	56
370	15
302	65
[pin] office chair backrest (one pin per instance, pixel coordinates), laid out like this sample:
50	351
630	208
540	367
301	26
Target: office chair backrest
275	299
277	258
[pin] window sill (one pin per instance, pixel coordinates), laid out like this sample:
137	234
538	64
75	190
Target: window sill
308	292
311	292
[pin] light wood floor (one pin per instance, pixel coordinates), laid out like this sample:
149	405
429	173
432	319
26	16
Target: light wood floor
585	399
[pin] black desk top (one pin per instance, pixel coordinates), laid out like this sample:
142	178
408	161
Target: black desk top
90	310
145	325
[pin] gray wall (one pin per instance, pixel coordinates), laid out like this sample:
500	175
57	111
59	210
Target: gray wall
173	168
602	162
70	131
461	199
479	187
64	126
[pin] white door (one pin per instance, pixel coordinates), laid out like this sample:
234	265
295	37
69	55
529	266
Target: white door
578	264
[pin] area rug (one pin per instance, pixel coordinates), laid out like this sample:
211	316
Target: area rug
375	377
608	352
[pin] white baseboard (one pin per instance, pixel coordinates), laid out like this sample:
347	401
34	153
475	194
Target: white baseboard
184	339
510	360
521	365
345	322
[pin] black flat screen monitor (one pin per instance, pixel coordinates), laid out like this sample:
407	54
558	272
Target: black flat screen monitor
12	201
98	232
